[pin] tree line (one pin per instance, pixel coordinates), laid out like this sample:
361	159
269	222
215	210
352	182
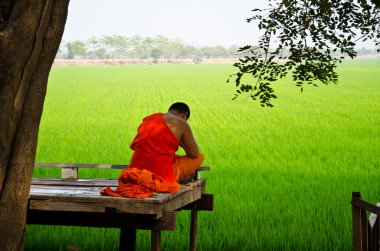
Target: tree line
141	48
151	48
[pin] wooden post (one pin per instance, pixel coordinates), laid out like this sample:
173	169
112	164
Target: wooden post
69	173
155	241
127	239
376	234
364	230
197	175
356	225
193	228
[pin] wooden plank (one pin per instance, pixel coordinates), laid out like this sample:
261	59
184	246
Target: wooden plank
180	201
205	203
358	202
46	189
92	182
102	166
84	193
107	220
88	199
77	182
73	165
80	193
96	206
184	188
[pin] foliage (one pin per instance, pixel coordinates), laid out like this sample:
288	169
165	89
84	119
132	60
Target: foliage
305	36
76	48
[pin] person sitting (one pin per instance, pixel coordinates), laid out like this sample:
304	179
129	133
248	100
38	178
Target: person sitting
157	141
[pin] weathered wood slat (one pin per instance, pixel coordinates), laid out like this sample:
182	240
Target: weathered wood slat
85	194
205	203
102	166
358	202
179	201
88	199
108	220
90	206
72	165
184	187
78	188
77	182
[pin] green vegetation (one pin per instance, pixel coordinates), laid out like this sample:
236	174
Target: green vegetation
282	177
141	48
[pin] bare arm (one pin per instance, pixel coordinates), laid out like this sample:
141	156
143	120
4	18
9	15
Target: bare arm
188	142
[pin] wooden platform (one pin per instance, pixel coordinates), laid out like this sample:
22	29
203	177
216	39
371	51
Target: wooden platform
83	195
72	201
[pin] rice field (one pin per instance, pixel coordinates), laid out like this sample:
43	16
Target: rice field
282	177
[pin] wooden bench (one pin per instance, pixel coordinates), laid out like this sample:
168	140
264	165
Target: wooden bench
73	201
365	230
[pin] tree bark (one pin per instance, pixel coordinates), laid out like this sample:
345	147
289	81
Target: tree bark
30	33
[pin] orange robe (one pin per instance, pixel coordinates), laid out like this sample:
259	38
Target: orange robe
154	147
135	183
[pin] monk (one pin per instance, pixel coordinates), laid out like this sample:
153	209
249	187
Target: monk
157	140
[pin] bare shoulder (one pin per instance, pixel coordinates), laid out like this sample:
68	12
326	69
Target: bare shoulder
174	120
176	124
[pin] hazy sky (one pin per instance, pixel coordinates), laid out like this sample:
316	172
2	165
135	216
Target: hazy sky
197	22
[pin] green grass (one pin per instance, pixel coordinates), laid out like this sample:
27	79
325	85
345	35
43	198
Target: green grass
282	177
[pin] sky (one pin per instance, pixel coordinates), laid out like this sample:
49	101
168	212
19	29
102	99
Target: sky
196	22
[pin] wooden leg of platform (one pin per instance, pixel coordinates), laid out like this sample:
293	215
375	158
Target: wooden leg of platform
193	228
127	239
155	241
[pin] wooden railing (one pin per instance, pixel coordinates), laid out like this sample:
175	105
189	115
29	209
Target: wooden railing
366	230
70	171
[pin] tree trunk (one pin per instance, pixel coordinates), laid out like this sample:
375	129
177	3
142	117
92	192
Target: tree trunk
30	33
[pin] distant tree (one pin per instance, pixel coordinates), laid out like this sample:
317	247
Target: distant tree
30	34
188	51
117	44
76	49
161	45
93	43
310	32
156	54
232	51
220	52
137	48
174	48
101	53
60	53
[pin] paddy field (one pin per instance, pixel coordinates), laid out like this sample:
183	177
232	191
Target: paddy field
282	177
